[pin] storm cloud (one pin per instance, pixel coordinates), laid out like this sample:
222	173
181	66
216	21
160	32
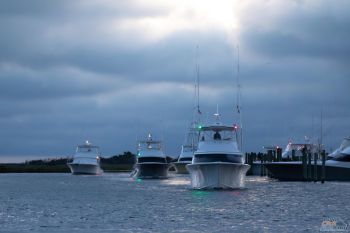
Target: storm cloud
112	71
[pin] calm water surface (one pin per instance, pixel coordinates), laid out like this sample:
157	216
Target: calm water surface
114	202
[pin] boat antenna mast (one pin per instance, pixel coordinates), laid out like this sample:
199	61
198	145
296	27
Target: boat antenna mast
217	115
198	111
238	100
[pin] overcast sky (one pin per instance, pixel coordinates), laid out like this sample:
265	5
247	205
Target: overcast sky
112	71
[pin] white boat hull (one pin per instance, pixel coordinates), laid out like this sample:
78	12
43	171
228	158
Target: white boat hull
218	175
84	169
180	167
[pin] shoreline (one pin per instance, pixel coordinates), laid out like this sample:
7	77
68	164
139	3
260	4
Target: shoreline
61	168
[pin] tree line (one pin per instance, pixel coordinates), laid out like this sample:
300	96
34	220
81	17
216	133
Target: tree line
125	158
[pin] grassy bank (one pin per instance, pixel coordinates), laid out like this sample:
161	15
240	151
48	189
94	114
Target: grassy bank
62	168
116	163
27	168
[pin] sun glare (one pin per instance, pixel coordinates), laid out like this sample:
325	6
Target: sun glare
201	15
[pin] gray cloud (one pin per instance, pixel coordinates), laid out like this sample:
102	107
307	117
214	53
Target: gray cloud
307	29
21	83
69	72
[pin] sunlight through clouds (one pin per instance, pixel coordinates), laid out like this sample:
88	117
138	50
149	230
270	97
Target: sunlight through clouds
184	16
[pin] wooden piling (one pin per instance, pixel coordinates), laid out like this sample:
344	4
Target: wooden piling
269	155
304	162
309	177
279	154
265	161
293	155
323	176
315	167
262	165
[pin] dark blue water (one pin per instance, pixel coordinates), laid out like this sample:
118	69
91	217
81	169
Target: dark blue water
114	202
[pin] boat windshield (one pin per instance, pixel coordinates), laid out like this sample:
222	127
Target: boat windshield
189	148
216	134
146	145
88	149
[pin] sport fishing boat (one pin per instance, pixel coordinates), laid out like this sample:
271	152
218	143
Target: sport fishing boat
86	160
187	150
218	163
338	164
151	161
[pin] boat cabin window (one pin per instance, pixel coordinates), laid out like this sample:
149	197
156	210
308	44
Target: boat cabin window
91	151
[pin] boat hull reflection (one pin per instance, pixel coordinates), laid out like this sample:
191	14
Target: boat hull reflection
180	167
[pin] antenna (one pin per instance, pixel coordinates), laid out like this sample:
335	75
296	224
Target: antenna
238	99
312	127
137	131
197	81
217	115
162	130
321	136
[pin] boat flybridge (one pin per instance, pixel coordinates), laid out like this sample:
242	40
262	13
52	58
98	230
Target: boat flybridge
151	161
344	148
187	150
86	160
295	150
218	163
340	158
